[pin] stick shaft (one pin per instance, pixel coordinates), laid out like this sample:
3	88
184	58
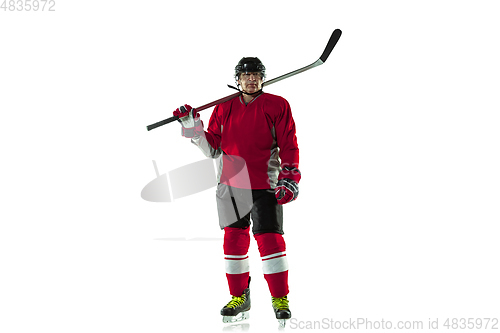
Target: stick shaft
203	107
334	38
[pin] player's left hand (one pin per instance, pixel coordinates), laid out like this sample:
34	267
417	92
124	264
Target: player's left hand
286	191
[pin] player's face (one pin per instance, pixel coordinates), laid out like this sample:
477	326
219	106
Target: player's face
250	82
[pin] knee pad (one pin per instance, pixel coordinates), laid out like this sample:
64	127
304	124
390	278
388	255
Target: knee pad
270	243
236	241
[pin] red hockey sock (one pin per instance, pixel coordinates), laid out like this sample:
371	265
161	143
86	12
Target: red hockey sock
236	244
272	250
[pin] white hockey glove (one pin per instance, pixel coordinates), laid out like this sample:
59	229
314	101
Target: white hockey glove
192	125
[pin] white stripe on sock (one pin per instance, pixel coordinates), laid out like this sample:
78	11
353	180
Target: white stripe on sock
272	255
237	266
275	265
233	256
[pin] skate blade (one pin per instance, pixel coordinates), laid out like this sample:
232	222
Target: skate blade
282	322
239	317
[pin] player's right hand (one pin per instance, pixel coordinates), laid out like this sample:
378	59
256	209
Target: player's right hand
190	121
186	115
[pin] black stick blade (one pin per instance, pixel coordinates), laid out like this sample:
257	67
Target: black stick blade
331	44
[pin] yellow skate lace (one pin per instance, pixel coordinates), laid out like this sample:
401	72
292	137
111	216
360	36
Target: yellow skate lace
280	303
236	301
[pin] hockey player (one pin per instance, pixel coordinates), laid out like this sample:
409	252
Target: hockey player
254	132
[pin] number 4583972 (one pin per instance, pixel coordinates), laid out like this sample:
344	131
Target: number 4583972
28	5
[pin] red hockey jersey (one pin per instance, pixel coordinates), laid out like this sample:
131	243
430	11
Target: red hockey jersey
260	135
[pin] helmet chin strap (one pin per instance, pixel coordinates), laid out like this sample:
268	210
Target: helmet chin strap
244	92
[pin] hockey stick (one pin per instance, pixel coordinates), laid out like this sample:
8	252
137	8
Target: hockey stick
334	38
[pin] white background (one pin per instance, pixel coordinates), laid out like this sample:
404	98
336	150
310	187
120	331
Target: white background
398	212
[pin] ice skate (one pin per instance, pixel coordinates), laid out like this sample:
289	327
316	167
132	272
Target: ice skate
237	308
281	310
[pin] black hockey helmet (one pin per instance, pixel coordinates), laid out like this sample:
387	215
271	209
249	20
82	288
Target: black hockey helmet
250	65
